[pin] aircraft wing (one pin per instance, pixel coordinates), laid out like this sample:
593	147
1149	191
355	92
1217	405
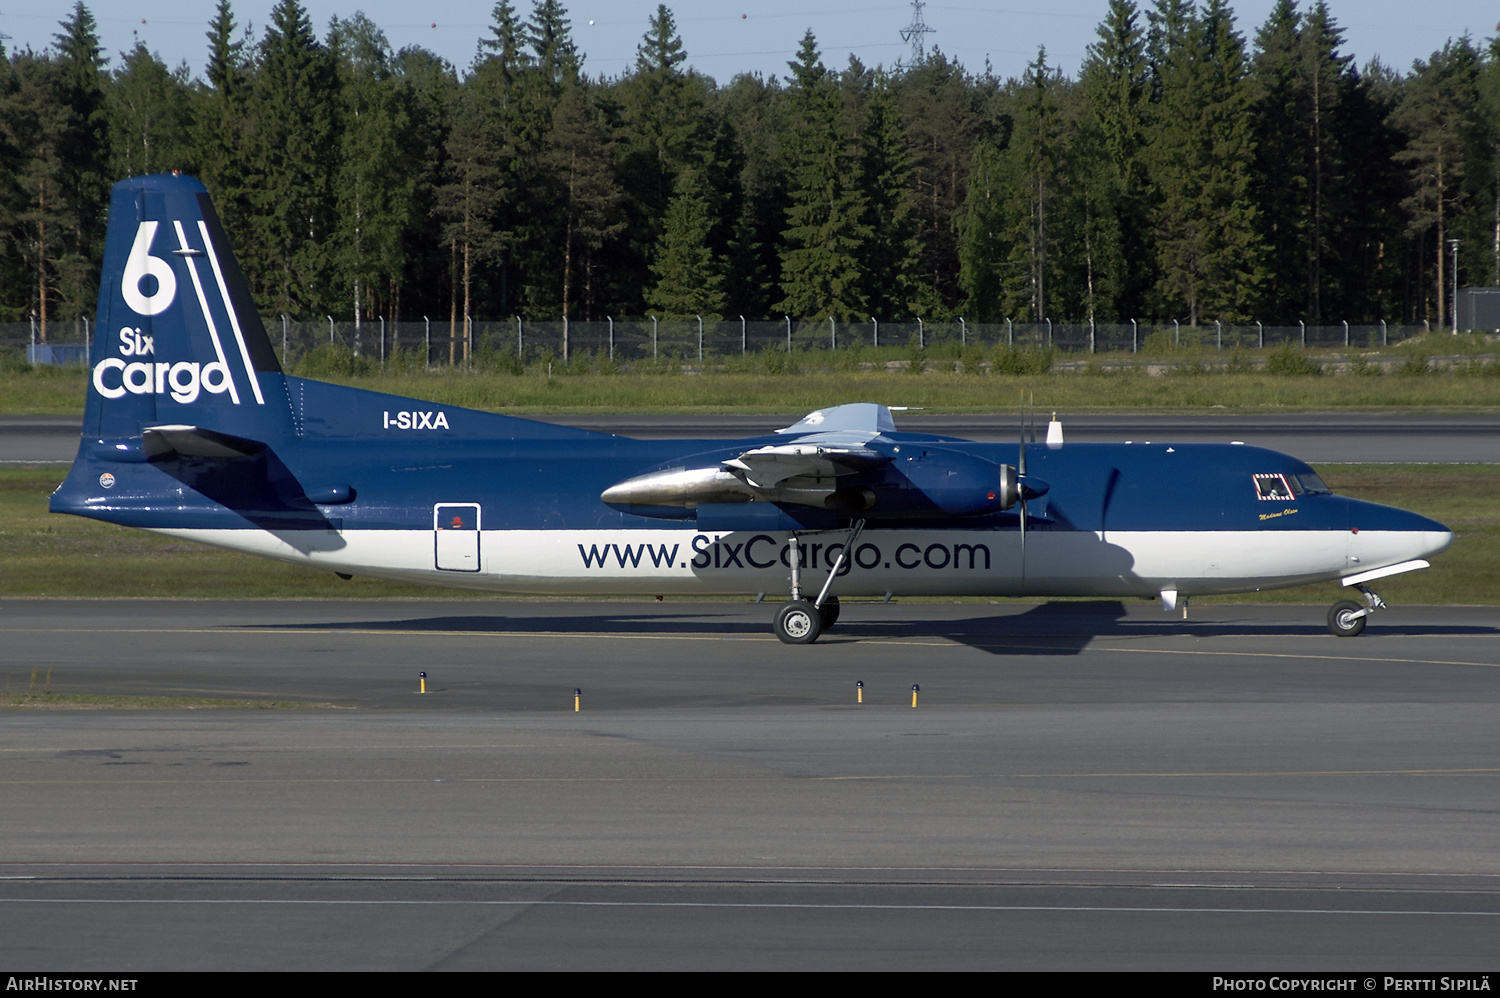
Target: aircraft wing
767	467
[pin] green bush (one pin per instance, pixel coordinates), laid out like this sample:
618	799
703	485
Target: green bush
1414	365
334	360
1021	360
1291	361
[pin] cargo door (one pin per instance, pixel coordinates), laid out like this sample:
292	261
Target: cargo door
455	529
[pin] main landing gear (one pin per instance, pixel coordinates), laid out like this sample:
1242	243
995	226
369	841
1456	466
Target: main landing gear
800	621
1346	618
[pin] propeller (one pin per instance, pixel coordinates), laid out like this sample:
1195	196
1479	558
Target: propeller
1021	482
1026	488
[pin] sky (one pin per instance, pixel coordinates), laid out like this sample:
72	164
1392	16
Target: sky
727	37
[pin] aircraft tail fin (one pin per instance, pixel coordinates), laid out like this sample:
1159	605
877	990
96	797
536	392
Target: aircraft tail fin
179	339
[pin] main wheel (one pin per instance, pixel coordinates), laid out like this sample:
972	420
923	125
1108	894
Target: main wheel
828	613
1342	619
798	623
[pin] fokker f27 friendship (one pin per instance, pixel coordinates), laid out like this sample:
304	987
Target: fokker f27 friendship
193	430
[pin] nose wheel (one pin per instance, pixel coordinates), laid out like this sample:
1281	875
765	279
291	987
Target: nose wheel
1346	618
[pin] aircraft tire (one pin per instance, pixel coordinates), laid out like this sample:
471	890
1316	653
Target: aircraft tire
798	622
828	613
1341	619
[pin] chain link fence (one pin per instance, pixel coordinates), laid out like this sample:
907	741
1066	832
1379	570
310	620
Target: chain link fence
518	342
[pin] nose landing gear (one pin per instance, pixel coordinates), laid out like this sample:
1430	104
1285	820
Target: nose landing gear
1346	618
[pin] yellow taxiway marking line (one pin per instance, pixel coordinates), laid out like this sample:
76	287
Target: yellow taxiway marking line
628	636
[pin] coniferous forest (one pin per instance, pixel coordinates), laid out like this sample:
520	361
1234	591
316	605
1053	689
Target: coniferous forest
1192	168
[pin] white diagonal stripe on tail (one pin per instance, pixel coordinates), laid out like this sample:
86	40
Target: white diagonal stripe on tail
234	319
213	331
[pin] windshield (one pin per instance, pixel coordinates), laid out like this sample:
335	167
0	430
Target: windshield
1310	483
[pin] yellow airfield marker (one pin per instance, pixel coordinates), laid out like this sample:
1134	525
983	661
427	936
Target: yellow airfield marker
423	677
915	689
577	697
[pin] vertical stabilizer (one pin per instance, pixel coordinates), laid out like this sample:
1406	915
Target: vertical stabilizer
179	339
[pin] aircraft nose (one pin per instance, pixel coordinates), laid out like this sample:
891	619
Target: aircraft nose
1386	535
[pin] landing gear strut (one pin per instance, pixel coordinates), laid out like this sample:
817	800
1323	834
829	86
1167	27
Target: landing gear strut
1346	618
800	621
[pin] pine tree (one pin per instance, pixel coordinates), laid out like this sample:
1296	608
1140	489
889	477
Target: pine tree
221	126
1209	251
946	113
892	255
1439	116
37	215
983	246
1115	80
150	116
689	281
1034	157
83	148
821	269
295	158
579	160
376	177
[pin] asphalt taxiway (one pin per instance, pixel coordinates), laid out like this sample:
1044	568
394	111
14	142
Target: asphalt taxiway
1080	786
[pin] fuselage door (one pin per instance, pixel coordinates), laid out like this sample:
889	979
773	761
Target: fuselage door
455	529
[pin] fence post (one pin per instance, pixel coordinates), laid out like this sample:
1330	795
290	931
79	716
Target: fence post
1303	325
427	341
1219	334
611	320
33	336
1049	334
565	338
833	339
1346	332
88	342
1176	333
468	339
1382	333
283	338
1260	332
789	335
653	337
876	323
700	339
1091	334
1009	331
742	336
921	334
963	332
330	329
1134	336
520	342
382	342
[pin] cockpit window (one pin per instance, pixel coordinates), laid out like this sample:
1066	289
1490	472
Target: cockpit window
1312	484
1273	486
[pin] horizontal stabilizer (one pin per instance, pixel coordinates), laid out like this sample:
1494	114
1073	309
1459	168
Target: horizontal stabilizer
195	441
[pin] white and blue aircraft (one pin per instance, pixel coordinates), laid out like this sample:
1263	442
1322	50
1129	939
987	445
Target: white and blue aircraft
192	430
